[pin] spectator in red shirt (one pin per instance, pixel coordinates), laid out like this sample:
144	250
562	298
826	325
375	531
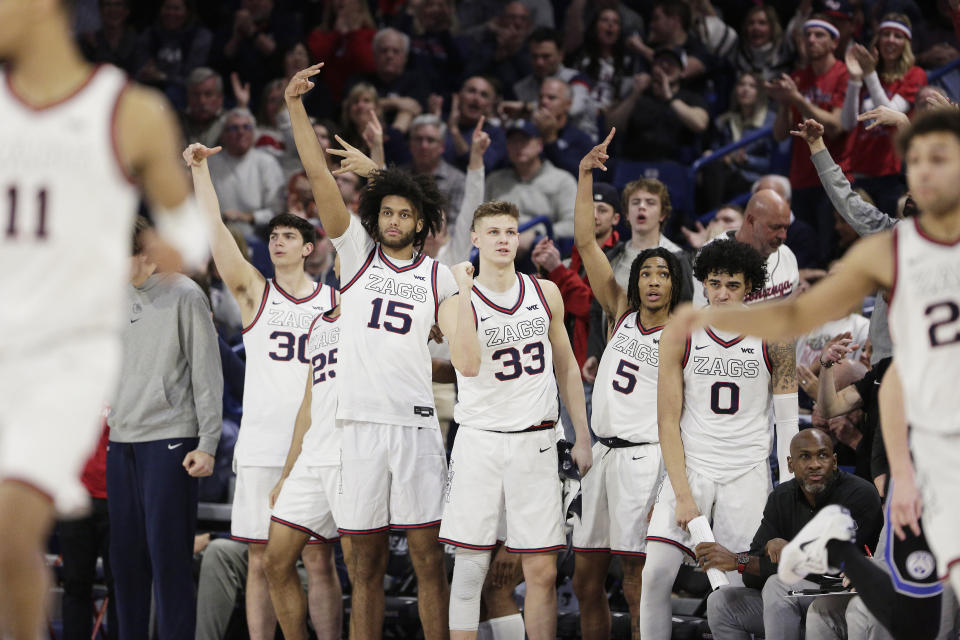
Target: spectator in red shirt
572	279
344	42
815	91
892	80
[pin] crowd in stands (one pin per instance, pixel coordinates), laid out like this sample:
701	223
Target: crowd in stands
416	83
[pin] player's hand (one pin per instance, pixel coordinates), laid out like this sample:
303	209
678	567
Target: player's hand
582	456
809	381
687	319
300	83
711	555
505	570
590	368
774	548
199	464
353	160
241	91
685	511
275	492
597	156
906	505
463	274
196	154
809	131
884	116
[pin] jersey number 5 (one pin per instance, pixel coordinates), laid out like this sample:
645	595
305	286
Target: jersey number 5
14	222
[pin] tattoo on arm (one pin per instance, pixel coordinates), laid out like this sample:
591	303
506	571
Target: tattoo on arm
783	359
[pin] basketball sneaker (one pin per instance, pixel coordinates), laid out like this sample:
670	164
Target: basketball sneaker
807	552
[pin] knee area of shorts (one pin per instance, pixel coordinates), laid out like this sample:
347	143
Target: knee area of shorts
719	601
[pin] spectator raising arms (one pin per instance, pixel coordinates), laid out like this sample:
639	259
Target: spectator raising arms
892	80
344	42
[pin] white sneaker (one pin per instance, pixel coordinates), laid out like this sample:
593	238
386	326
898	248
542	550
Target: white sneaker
807	552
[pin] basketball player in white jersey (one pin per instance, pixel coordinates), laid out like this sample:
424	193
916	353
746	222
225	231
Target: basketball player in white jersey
73	136
276	315
511	351
393	464
620	491
919	264
303	501
715	392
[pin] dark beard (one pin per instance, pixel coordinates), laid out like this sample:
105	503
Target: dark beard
398	243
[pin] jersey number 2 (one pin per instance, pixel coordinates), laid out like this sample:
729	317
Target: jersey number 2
14	222
952	313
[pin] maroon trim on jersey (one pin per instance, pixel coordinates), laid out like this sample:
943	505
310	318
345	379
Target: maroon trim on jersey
263	303
543	299
896	267
327	318
766	357
464	545
413	265
436	297
114	143
616	327
58	101
297	300
686	353
497	307
720	341
363	267
923	234
952	562
333	297
361	532
683	548
556	547
644	331
632	554
249	540
298	527
591	549
421	525
30	485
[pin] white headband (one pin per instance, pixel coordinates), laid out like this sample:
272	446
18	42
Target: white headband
896	26
823	24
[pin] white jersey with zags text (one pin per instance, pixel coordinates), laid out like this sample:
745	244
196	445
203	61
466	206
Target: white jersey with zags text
66	216
516	388
388	308
276	347
625	391
727	400
925	327
321	443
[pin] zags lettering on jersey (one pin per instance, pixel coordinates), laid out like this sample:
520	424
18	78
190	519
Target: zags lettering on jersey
507	333
288	318
390	287
726	367
636	349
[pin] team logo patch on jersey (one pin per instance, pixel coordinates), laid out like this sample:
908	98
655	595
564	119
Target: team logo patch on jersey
426	412
920	565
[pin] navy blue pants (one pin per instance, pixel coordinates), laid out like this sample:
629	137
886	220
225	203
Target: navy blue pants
153	517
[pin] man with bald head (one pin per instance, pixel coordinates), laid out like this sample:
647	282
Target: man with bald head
564	143
760	607
801	237
765	222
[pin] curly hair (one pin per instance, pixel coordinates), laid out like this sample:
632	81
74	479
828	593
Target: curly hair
673	266
731	257
420	190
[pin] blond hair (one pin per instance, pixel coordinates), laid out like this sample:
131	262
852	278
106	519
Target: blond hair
495	208
906	59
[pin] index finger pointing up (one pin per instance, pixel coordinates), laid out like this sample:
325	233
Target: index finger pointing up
310	71
609	137
479	128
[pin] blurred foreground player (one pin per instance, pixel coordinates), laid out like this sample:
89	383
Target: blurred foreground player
72	136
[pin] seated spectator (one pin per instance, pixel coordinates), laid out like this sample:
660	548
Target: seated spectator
815	91
724	180
563	142
268	136
666	121
360	108
892	81
670	29
254	41
115	41
760	607
173	46
202	121
402	93
434	52
546	59
427	135
582	12
846	429
474	101
763	49
498	48
607	64
344	42
248	181
536	186
478	15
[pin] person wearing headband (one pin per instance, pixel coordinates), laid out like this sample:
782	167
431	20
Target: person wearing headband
883	75
816	91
